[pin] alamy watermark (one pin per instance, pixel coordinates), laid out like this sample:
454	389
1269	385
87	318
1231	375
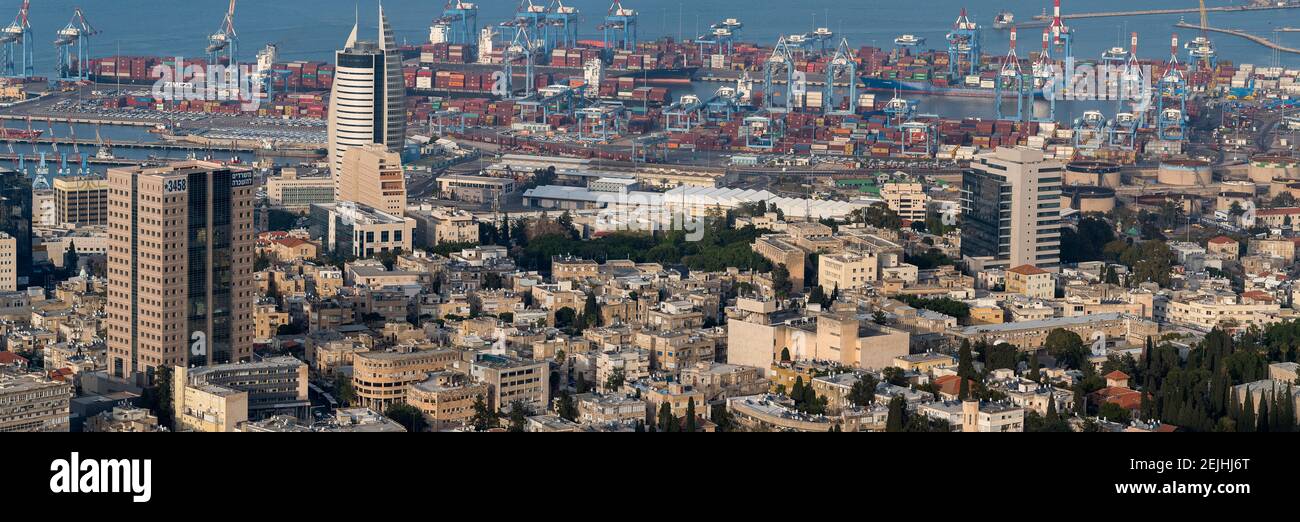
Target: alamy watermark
644	213
1105	81
214	82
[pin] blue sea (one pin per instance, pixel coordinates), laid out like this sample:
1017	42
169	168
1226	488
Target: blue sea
311	30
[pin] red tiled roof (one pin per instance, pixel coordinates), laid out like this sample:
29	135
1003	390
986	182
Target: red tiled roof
11	357
1222	240
1126	398
1117	375
1278	211
290	242
1028	270
951	385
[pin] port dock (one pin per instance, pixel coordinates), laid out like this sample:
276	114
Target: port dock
1044	18
1242	34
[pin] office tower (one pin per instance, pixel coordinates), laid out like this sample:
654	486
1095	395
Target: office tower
1011	210
8	263
372	175
81	201
16	219
367	98
180	264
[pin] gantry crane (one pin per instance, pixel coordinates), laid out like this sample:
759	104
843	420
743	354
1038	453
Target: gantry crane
561	25
16	51
73	42
620	27
1012	77
1201	49
964	42
779	73
224	42
841	67
461	20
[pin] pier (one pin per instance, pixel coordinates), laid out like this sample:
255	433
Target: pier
33	159
1241	34
1146	12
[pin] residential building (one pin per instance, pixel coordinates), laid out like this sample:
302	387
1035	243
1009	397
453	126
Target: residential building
180	267
372	175
80	201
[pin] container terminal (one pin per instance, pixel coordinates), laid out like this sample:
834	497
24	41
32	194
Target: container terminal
530	85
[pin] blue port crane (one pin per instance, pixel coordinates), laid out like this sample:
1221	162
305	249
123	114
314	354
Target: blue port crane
17	56
521	47
964	44
721	36
72	48
561	25
461	20
620	27
225	42
1047	78
841	67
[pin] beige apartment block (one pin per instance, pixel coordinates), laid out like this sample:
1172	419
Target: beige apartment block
1030	281
446	399
80	201
907	199
372	175
382	379
8	263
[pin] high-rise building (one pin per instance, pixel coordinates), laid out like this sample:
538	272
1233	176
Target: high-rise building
366	101
180	267
8	263
372	175
81	201
1011	210
16	219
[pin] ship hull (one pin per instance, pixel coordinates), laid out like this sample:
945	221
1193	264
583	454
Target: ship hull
925	88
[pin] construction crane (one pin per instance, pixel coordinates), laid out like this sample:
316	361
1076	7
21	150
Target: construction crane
73	42
620	27
1201	50
224	42
17	54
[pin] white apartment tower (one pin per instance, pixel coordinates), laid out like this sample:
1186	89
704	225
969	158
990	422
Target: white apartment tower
366	101
1011	210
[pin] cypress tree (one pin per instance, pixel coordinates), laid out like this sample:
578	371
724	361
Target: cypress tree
797	392
690	415
1034	375
963	389
1247	423
1262	422
895	421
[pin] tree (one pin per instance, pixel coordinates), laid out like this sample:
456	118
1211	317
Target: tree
880	215
1114	413
592	310
667	422
1067	348
785	354
615	380
408	416
518	416
158	398
965	362
863	392
722	418
879	317
781	283
565	407
484	418
343	390
690	415
963	389
1034	374
897	413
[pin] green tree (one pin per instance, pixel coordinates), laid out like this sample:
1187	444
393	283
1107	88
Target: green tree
615	380
863	392
518	416
690	415
897	415
722	418
408	416
1067	348
343	390
781	283
565	407
1034	374
484	418
785	354
667	422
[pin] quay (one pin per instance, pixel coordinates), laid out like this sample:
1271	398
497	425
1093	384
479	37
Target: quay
1242	34
1145	12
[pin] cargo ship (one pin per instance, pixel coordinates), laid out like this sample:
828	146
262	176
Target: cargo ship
19	134
923	87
